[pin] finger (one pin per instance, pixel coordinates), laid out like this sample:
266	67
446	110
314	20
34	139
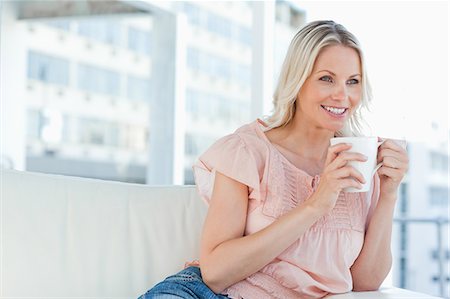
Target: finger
395	174
393	145
349	171
344	157
334	150
346	183
394	163
391	162
383	153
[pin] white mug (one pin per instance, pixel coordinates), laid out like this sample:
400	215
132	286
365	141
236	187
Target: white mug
367	146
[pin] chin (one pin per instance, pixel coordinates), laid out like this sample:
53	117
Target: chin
334	128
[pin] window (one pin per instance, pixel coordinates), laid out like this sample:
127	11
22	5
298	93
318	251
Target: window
438	196
47	125
189	177
97	132
93	131
60	24
242	74
209	64
219	67
34	123
139	41
98	80
439	162
52	126
190	146
297	18
191	101
404	199
435	255
136	137
195	144
192	12
106	31
289	15
49	69
193	60
138	88
219	25
244	36
112	131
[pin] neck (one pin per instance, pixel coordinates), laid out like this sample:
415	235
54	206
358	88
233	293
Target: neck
305	140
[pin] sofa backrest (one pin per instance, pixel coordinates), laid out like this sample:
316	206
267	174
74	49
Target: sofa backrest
75	237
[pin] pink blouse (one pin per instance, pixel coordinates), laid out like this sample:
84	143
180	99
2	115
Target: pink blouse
319	262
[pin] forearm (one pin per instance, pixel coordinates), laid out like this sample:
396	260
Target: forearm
236	259
375	260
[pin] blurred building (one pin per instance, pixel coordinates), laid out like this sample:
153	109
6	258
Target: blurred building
87	97
86	85
422	239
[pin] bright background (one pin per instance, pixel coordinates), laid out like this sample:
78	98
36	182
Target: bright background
406	48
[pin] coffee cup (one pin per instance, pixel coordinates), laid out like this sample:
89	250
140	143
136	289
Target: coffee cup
367	146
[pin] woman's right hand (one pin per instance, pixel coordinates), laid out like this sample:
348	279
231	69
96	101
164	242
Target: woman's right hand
336	176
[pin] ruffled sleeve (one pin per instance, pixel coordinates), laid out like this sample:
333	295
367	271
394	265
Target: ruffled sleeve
232	157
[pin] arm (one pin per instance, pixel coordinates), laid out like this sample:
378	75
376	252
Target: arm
227	256
374	262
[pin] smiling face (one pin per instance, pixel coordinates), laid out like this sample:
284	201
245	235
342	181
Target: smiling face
333	91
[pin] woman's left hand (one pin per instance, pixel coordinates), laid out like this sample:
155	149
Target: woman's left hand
395	165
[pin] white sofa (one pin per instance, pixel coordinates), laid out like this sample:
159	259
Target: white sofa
73	237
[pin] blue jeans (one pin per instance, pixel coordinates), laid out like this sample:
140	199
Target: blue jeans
186	284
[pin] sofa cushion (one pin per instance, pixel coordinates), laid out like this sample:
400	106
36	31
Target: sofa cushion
75	237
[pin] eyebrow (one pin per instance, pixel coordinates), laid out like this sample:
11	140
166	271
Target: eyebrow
335	74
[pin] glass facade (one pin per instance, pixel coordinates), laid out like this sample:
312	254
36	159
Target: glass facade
216	108
439	196
106	31
48	68
218	25
139	41
138	88
218	67
439	162
34	124
98	80
60	24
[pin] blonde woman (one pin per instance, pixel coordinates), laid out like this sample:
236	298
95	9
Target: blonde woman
278	224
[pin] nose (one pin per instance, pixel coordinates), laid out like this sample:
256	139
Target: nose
340	92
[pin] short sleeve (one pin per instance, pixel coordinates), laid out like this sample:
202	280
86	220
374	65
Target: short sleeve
373	195
232	157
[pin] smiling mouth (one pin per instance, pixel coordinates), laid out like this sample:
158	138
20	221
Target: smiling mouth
334	110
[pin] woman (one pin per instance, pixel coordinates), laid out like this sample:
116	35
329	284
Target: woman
278	224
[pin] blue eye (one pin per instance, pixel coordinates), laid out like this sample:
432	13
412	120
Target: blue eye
353	81
326	78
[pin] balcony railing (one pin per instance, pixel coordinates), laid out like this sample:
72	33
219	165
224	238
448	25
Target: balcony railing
439	223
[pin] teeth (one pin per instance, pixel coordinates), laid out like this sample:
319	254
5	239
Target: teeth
334	110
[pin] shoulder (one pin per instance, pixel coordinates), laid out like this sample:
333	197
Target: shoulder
252	137
246	143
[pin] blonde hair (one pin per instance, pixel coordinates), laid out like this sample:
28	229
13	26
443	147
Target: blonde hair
297	67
